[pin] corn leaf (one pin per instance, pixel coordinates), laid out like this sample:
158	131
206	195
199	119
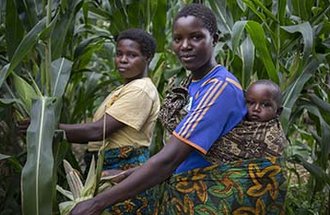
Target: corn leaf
305	29
2	156
25	91
60	74
292	93
64	192
37	172
14	28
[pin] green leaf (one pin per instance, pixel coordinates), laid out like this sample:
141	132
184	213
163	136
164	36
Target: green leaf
90	183
64	23
4	73
292	93
315	170
27	44
3	157
224	18
23	49
14	28
9	101
279	6
25	91
252	7
38	170
237	33
319	102
258	37
307	33
248	57
60	74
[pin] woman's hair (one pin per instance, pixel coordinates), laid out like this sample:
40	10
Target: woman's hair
201	12
144	39
276	91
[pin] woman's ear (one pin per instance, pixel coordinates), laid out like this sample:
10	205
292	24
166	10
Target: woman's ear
279	111
215	39
148	59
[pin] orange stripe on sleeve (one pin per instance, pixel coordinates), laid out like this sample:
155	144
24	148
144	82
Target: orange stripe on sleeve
234	83
200	149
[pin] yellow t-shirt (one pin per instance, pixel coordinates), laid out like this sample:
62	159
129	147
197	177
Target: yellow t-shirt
135	104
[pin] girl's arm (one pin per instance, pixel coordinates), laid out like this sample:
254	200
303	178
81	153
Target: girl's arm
83	133
157	169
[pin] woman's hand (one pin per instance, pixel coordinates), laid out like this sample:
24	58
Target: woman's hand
23	126
116	176
88	207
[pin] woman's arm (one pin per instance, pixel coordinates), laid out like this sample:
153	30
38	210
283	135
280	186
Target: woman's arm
154	171
83	133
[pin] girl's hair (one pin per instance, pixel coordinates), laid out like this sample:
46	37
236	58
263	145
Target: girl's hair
201	12
144	39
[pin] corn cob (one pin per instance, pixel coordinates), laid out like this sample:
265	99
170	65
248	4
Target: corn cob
74	181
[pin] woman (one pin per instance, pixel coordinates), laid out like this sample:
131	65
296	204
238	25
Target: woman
127	117
216	105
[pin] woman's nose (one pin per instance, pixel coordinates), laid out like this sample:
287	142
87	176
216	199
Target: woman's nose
123	59
185	44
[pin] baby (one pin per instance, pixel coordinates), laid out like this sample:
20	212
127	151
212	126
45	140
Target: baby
260	134
263	99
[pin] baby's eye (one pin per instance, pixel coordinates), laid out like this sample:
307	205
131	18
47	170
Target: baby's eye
249	103
266	104
132	55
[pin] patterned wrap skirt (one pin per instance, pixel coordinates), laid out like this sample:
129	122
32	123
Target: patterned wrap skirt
255	186
124	158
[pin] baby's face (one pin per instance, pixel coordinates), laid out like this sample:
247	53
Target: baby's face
261	105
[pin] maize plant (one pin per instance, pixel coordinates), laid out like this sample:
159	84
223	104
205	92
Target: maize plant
79	191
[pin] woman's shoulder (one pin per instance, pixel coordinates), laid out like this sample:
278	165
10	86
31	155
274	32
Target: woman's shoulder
144	85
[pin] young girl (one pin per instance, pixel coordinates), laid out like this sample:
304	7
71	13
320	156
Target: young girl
127	117
216	105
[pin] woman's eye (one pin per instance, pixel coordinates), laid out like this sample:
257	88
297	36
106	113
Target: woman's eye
176	39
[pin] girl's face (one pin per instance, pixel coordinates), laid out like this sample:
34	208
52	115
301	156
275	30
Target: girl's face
130	62
193	45
261	105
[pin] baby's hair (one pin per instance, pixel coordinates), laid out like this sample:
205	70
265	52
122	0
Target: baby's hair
144	39
201	12
276	91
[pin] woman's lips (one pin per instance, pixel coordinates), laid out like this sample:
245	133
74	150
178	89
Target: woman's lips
187	57
122	69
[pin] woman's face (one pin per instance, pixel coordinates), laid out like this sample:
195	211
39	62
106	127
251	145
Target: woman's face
130	61
193	45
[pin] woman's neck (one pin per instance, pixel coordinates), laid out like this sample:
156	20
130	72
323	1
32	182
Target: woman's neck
127	80
203	70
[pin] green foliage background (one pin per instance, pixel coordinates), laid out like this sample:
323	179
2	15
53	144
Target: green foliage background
56	61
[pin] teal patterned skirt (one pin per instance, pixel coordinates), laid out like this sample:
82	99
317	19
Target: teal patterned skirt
255	186
124	158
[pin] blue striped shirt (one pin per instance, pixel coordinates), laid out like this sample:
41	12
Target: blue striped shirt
216	105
